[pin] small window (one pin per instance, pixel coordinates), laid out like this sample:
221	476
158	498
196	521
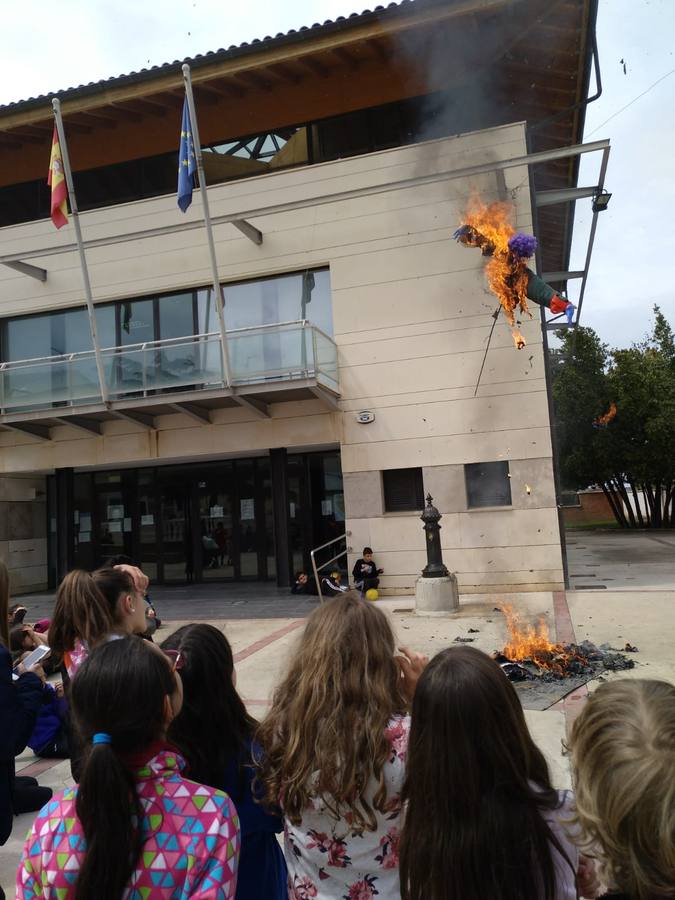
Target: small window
487	484
403	490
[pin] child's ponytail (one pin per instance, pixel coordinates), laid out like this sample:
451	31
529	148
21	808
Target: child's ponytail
106	800
119	702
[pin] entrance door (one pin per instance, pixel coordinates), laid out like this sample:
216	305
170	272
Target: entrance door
234	511
215	504
177	550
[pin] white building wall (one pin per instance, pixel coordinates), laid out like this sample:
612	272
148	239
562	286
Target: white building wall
411	315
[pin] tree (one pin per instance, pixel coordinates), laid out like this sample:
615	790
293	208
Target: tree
632	458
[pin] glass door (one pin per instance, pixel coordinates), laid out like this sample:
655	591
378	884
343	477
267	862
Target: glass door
146	523
177	551
235	522
216	523
113	517
248	525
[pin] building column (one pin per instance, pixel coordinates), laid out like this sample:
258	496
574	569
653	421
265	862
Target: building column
278	458
65	533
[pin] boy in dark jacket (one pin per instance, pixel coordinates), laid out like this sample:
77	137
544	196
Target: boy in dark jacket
365	572
303	584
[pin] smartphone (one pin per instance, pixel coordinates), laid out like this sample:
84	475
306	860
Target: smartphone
35	656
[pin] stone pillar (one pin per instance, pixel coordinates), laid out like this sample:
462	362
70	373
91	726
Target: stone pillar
65	531
23	531
436	591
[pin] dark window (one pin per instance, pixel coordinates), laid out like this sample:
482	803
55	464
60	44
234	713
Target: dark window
403	490
487	484
361	131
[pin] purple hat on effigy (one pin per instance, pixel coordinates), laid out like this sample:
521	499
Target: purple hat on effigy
522	245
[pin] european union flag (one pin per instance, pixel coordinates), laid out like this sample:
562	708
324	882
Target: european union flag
187	161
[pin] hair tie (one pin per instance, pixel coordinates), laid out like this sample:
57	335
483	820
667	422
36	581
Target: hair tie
101	738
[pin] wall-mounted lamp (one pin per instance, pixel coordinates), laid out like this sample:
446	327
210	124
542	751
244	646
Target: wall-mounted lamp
601	200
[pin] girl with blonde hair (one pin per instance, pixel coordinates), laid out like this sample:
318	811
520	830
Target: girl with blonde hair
334	745
623	758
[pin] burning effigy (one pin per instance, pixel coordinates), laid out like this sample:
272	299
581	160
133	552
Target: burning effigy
488	227
530	655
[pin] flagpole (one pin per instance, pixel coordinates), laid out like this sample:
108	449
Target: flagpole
56	105
217	289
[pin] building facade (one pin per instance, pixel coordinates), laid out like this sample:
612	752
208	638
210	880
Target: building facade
354	332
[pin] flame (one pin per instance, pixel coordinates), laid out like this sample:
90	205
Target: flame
506	277
518	339
608	416
526	641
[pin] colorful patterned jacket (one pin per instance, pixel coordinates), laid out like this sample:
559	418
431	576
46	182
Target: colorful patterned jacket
191	845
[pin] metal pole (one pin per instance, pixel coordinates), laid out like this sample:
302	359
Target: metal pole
56	105
217	289
495	316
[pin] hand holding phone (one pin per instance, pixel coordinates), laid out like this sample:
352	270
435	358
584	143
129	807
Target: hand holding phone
35	657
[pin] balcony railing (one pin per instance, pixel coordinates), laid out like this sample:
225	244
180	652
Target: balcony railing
259	355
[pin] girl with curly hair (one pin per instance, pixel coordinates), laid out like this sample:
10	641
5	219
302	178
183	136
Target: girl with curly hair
335	744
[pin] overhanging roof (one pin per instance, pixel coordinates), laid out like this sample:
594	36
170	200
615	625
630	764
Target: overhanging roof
511	60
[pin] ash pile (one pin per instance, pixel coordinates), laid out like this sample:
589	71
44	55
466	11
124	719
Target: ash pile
563	661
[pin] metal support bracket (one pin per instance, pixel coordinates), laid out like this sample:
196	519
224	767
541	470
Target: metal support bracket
26	269
562	276
257	406
251	232
90	426
137	418
37	431
325	397
203	416
564	195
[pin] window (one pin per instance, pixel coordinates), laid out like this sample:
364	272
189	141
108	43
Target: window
403	490
487	484
137	320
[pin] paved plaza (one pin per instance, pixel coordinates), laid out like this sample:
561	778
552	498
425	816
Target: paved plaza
263	626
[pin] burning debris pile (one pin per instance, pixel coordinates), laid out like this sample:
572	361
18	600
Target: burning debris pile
530	655
489	228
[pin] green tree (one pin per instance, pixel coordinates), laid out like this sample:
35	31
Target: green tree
632	457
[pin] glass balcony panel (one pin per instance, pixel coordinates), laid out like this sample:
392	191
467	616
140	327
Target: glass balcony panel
59	382
271	354
326	361
257	356
175	365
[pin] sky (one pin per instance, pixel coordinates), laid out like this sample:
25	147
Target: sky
635	244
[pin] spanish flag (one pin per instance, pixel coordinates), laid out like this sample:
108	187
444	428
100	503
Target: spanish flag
57	181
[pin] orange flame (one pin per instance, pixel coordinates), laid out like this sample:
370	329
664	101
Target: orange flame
506	277
526	641
518	339
608	416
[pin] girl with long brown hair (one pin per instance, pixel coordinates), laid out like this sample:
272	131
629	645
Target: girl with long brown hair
482	819
93	608
623	758
335	743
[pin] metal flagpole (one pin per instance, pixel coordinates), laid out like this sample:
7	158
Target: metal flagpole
56	105
217	289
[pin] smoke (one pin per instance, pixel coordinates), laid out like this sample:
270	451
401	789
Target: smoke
474	63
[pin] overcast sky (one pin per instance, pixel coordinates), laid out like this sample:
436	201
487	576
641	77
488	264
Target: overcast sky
46	47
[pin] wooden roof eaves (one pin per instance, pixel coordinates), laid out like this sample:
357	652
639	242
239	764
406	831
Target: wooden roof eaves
384	24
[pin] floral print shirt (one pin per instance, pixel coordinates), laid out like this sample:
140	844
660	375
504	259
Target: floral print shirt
327	861
190	849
